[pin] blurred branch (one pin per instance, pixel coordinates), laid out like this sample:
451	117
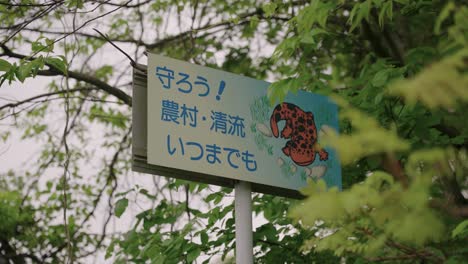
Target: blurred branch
450	131
391	39
394	167
408	251
393	258
458	211
383	42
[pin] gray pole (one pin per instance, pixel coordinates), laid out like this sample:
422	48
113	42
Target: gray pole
243	218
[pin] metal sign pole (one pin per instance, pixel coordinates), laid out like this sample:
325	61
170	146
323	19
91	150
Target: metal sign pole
243	218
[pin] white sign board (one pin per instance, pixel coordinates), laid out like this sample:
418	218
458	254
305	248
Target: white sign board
219	124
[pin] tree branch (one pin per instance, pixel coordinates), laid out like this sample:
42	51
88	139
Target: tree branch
53	71
244	18
29	5
132	61
393	258
165	41
28	100
36	16
126	5
82	34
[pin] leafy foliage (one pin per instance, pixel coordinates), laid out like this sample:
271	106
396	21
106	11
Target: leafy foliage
406	143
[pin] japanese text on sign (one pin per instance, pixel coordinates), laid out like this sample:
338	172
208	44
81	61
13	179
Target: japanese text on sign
220	122
184	84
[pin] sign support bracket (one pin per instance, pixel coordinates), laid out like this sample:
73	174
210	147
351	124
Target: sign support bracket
243	220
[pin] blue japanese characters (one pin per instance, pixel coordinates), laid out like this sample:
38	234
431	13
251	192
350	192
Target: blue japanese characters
212	153
184	82
220	122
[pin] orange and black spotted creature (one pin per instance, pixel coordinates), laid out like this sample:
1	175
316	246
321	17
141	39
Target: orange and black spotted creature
300	128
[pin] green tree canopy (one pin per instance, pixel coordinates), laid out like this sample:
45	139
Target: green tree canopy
398	69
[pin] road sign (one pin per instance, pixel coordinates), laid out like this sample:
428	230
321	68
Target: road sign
212	126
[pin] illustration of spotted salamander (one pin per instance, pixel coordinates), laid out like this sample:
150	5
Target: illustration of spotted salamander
300	128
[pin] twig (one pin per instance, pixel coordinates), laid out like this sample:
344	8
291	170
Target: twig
41	13
126	5
132	62
28	5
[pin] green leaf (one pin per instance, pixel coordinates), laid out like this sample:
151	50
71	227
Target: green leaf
443	16
358	13
147	194
74	3
4	65
192	255
57	63
386	10
308	38
104	72
254	21
38	46
461	230
24	71
378	98
120	207
380	79
204	237
269	9
110	249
